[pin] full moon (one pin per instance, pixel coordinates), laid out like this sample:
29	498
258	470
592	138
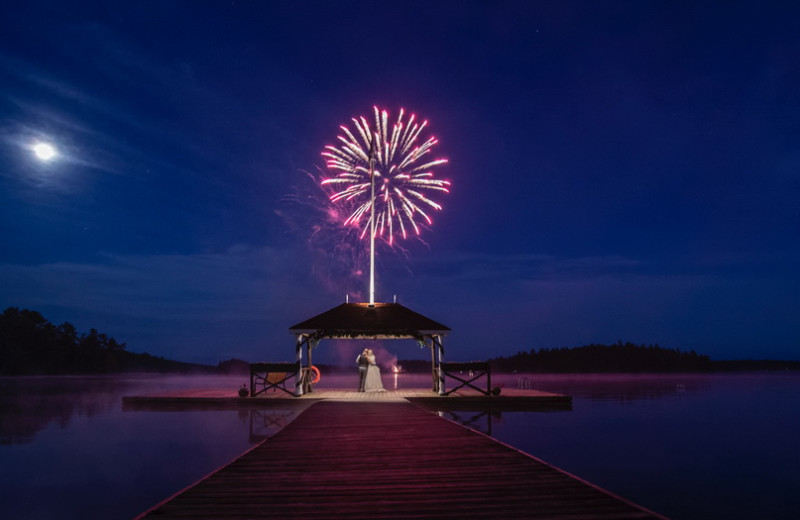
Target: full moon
44	151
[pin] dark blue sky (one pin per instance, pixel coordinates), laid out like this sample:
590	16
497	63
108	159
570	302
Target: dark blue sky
620	171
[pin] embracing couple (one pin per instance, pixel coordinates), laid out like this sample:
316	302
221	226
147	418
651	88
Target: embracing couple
369	375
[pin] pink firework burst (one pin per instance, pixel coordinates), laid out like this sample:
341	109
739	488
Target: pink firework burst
405	186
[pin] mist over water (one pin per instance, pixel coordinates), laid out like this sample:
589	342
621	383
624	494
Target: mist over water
686	446
68	450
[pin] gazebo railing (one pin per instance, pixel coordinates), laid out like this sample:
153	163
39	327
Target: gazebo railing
474	371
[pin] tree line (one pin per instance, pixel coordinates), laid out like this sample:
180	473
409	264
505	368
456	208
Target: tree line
30	344
618	357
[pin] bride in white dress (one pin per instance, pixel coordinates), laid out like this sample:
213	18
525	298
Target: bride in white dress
373	382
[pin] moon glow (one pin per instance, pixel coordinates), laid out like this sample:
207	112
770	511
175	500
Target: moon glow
44	151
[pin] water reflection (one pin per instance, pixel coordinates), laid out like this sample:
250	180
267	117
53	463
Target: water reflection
724	446
479	421
68	446
31	404
610	387
266	423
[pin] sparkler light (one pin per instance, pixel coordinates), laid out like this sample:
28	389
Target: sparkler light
402	170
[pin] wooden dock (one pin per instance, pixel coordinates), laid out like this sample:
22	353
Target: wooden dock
389	459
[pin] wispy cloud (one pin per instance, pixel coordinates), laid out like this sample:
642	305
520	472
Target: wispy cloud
188	306
97	123
468	266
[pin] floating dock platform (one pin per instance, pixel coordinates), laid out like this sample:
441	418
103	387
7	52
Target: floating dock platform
508	400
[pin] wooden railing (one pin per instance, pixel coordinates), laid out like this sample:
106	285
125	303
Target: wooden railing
467	373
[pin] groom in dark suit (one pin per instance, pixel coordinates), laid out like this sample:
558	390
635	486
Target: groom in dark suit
363	364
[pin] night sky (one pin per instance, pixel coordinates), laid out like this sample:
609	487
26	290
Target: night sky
620	171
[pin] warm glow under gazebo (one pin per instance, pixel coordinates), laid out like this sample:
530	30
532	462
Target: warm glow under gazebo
369	321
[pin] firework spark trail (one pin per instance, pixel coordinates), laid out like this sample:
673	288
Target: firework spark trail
403	176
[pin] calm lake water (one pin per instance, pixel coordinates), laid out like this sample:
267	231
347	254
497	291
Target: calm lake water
686	446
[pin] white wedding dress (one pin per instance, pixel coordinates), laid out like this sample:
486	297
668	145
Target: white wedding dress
373	382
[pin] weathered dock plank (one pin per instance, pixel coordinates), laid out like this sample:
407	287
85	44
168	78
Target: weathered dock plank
389	460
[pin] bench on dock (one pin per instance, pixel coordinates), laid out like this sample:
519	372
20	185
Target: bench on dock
475	371
265	376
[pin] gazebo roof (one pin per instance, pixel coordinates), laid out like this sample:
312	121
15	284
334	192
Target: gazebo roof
362	320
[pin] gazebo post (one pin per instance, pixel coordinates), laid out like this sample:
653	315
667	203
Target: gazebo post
434	371
298	380
310	345
438	341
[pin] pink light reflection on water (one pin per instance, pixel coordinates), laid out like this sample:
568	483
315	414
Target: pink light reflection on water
67	446
688	446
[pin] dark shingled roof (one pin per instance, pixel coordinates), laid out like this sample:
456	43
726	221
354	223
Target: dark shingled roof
360	320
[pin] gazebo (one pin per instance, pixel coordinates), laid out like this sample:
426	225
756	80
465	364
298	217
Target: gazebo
369	321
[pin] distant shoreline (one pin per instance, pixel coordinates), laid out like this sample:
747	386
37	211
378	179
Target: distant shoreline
31	345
